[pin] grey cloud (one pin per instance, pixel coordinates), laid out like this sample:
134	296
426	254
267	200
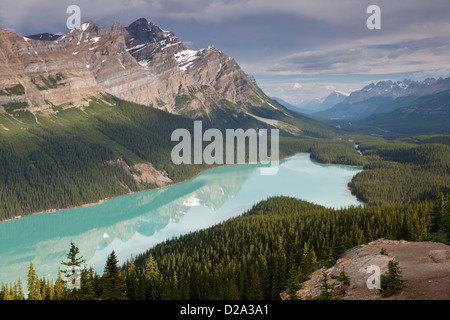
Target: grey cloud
272	36
330	61
399	52
370	59
398	14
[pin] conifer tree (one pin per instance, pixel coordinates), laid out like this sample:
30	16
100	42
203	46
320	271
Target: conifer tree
86	291
293	284
172	287
33	284
436	212
152	279
51	295
96	283
308	262
131	280
43	290
445	224
326	289
391	282
73	265
254	290
343	277
112	280
194	290
141	287
60	290
19	290
6	294
204	286
12	291
279	271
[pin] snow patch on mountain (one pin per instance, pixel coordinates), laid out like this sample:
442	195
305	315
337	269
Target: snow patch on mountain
186	58
144	63
84	26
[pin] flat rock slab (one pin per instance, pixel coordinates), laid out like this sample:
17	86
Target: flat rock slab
425	267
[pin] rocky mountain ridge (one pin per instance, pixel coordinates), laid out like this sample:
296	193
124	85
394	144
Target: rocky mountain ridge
384	96
397	89
38	75
140	63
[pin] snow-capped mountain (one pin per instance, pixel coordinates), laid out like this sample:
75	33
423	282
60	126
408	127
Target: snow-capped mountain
398	89
141	63
384	96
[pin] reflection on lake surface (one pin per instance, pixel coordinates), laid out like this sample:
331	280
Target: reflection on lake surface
133	223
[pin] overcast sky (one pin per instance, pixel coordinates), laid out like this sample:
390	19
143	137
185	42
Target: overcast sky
297	50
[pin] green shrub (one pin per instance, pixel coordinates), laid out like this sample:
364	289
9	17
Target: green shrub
391	282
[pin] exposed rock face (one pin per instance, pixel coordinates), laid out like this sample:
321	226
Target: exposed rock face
147	174
141	63
37	75
143	173
425	267
173	70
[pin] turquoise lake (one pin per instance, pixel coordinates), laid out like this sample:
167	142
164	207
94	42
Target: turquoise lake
133	223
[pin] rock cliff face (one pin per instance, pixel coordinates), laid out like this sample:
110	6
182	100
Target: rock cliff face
425	267
141	63
39	75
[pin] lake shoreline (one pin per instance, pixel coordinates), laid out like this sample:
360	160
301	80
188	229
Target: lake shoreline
169	185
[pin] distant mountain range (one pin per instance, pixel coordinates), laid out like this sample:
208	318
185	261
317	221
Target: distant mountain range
316	104
385	107
291	107
426	115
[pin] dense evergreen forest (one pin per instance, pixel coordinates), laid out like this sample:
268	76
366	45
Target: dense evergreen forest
265	251
395	171
401	173
70	158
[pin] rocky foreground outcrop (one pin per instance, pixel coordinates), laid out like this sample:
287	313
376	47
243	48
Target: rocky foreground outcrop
425	267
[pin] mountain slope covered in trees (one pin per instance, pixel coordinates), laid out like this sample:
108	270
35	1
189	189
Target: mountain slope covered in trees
75	156
426	115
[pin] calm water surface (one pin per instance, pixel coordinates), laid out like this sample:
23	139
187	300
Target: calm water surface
133	223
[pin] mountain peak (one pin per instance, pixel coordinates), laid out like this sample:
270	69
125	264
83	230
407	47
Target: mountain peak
145	31
337	93
115	26
140	21
87	26
141	63
117	29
